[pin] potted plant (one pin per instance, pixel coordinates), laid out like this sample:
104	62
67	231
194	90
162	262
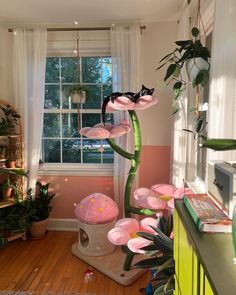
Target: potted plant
9	120
41	206
192	54
78	93
14	219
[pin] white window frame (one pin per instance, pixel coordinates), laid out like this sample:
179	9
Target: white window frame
197	184
75	169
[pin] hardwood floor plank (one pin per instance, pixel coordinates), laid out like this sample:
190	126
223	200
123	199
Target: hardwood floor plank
48	265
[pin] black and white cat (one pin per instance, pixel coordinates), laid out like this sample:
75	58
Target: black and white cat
134	97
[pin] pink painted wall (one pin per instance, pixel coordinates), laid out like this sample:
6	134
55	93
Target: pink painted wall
154	168
155	165
71	189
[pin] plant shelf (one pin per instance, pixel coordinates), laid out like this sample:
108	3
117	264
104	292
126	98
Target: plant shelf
8	203
21	235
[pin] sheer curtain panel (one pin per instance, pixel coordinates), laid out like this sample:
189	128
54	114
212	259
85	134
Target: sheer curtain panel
180	138
29	62
222	106
125	51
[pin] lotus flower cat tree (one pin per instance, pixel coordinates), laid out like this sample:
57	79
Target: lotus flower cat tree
122	102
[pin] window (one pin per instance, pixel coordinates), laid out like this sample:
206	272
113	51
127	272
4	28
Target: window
61	142
202	153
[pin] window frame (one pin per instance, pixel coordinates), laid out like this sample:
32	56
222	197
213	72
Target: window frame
74	169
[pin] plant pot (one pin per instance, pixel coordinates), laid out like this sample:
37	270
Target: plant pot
11	164
79	97
194	66
38	228
8	193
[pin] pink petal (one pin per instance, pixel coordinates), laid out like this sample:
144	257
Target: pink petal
145	225
145	102
119	130
99	133
164	189
170	203
118	236
151	203
108	126
84	130
125	122
180	192
136	244
129	224
143	191
121	103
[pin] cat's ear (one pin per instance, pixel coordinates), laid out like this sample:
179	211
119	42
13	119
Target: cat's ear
152	90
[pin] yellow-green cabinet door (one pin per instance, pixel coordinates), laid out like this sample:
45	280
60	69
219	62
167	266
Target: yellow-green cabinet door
185	264
208	290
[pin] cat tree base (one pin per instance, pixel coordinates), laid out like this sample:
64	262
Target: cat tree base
112	265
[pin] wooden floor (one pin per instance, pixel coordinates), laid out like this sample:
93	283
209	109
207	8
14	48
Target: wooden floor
48	267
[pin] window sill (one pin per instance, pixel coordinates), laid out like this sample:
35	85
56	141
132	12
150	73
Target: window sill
198	186
76	170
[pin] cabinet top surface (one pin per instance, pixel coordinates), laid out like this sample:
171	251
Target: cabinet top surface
215	253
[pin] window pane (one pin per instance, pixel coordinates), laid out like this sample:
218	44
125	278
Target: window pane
106	70
52	97
66	99
52	70
89	120
70	125
51	148
93	99
51	125
90	151
70	70
107	90
91	70
71	151
108	153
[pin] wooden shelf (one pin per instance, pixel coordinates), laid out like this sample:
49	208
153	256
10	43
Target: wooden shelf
11	136
6	203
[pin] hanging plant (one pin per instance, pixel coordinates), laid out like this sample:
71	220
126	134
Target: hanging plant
195	57
78	93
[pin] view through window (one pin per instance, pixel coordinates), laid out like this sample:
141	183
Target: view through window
61	141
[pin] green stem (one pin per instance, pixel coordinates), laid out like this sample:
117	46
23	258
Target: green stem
119	150
134	162
128	260
142	211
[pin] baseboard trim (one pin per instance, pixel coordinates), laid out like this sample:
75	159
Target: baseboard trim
60	224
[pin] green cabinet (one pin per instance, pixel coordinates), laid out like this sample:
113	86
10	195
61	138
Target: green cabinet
203	262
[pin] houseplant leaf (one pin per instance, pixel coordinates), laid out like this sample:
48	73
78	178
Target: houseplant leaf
145	235
195	31
151	263
220	144
177	89
170	70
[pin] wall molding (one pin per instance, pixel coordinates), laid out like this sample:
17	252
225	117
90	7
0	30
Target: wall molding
61	224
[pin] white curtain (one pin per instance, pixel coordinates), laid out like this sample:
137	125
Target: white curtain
222	105
29	62
125	51
180	138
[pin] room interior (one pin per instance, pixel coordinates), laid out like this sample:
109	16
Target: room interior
135	159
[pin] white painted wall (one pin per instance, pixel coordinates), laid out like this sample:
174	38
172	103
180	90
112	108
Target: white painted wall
6	82
156	122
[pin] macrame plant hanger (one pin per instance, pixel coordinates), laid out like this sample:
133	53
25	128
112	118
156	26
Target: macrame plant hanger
78	95
198	22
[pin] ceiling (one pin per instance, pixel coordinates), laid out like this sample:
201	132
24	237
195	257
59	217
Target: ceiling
88	11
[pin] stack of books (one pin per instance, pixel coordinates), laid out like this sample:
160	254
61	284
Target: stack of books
207	214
